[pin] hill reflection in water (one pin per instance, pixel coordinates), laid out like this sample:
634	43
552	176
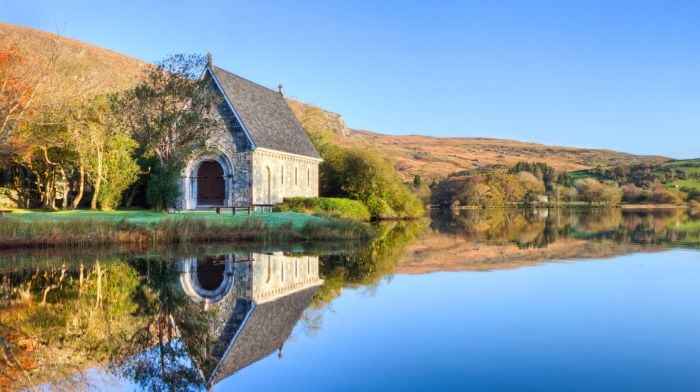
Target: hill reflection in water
187	319
508	238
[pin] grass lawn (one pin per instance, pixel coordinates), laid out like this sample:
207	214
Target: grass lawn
149	218
581	174
690	184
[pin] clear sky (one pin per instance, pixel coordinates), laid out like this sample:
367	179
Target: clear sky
616	74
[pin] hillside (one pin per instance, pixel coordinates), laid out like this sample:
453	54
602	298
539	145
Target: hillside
431	156
412	154
77	62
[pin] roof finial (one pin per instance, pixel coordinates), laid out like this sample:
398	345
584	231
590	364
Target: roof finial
209	59
279	88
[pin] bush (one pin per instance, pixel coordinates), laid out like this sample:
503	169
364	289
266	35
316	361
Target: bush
326	206
661	195
365	175
163	189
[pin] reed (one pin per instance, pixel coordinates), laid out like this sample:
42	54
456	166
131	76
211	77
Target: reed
79	231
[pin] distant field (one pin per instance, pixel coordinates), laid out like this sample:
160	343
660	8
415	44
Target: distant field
687	165
581	174
690	184
690	167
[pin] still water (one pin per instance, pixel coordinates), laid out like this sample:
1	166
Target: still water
581	300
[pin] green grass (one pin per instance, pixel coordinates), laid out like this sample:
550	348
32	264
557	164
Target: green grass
151	217
689	184
326	206
689	166
581	174
83	228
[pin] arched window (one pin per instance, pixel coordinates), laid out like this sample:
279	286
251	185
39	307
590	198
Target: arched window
282	175
296	176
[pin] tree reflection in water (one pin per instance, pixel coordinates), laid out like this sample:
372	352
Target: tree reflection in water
537	228
184	322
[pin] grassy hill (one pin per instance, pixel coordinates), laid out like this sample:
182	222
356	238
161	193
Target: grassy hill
412	154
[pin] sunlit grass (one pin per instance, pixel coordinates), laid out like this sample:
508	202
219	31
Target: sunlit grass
82	228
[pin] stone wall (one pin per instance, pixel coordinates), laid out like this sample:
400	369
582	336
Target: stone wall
250	177
278	175
228	145
276	275
258	277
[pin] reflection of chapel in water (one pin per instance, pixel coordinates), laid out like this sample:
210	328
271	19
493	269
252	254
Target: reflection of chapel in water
252	302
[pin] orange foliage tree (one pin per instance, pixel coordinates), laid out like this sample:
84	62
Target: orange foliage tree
17	90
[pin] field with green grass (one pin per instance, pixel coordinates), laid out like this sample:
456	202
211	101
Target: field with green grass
692	168
581	174
147	217
24	228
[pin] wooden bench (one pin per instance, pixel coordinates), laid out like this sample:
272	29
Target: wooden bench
3	212
249	208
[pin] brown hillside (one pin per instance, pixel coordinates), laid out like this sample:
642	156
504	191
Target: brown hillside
79	62
428	156
437	157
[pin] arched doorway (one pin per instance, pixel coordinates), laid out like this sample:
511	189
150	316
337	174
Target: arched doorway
211	189
210	274
207	280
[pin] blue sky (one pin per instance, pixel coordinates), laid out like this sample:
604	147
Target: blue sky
623	75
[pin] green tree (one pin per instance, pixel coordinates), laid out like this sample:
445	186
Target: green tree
169	115
106	151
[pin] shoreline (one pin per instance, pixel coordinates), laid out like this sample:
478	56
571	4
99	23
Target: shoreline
582	206
76	231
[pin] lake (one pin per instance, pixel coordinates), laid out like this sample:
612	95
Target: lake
494	300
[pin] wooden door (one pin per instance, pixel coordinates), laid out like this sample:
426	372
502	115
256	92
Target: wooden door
211	189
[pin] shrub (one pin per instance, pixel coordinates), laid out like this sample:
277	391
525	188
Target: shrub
661	195
326	206
163	190
365	175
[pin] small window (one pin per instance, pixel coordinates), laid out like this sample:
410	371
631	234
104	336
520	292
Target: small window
308	176
282	175
296	176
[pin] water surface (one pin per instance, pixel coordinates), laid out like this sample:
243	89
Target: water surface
478	300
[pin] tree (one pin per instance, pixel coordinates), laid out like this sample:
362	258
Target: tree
169	115
106	149
593	191
417	181
365	175
16	94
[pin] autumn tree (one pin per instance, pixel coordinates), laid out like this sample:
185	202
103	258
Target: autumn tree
16	89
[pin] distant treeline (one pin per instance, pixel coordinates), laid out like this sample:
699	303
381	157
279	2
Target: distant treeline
537	183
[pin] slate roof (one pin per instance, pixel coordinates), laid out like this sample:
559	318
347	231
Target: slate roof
265	115
266	329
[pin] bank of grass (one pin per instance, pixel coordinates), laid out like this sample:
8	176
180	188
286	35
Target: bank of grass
83	228
326	206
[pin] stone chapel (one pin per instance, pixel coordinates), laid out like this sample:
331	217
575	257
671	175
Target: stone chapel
259	155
